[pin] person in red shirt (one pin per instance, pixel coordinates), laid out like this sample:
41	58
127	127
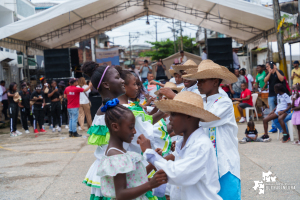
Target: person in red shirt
226	89
246	101
72	93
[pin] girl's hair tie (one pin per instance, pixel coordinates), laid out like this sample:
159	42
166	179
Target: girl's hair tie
110	104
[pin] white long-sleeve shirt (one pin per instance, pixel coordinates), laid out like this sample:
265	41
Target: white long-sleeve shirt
223	133
194	173
1	93
204	56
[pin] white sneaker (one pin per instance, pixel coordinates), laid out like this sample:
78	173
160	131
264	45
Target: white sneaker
59	129
242	120
242	141
18	132
79	128
13	134
27	131
66	127
53	130
268	140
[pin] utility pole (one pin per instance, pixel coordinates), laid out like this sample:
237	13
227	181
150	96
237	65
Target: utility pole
129	46
156	31
281	52
205	37
181	40
174	36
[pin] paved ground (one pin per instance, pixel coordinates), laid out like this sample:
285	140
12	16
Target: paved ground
52	166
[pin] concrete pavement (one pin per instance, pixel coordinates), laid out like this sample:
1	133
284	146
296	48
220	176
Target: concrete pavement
52	166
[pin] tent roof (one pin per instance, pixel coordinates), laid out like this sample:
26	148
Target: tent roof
73	21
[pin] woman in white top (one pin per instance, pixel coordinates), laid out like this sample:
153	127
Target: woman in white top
85	107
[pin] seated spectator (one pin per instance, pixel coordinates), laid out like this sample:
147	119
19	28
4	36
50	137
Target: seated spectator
235	88
226	89
152	85
280	111
251	135
246	101
177	79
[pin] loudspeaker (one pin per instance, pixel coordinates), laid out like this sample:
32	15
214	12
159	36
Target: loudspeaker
57	63
219	50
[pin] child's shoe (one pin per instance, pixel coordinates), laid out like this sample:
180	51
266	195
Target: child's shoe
286	138
27	131
18	132
36	131
13	134
242	141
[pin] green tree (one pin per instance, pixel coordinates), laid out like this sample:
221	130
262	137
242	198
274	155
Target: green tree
165	48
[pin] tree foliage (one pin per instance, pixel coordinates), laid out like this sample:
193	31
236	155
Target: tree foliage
165	48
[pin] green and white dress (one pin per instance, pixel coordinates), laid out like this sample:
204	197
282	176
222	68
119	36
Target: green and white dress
99	135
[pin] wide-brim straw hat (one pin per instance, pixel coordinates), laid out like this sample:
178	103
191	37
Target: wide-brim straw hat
16	97
209	69
172	86
172	72
187	65
188	103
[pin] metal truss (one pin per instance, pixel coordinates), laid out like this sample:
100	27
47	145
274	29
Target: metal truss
88	20
9	40
206	16
130	3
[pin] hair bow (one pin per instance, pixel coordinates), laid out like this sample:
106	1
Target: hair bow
110	104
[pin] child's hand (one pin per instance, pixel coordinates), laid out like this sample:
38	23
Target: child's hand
159	178
144	143
173	146
159	151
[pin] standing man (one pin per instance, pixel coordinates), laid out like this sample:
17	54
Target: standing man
236	63
204	54
72	93
38	97
55	95
236	88
25	107
296	73
274	76
144	70
4	100
182	59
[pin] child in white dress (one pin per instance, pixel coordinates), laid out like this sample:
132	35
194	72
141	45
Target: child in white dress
123	175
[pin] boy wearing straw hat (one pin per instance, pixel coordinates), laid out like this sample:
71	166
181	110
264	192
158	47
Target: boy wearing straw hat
192	168
223	132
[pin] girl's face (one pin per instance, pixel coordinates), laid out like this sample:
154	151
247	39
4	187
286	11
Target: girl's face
115	82
131	88
126	129
15	87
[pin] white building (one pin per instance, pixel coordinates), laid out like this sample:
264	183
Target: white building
11	11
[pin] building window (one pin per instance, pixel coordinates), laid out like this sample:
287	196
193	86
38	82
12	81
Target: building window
7	50
12	51
1	49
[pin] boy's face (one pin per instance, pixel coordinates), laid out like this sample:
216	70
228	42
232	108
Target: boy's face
178	78
243	86
178	122
205	86
150	77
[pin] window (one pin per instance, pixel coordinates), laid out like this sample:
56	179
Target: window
1	49
12	51
7	50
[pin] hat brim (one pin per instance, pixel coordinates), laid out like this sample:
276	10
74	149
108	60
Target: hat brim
172	72
179	68
226	76
178	89
185	108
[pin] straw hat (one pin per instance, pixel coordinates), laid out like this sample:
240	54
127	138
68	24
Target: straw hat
187	65
171	85
172	72
188	103
209	69
17	97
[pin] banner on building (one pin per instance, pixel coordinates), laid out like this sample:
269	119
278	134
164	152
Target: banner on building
107	56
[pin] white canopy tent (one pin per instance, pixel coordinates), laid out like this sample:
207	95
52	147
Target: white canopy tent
76	20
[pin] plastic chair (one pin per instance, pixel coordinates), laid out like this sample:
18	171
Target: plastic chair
291	130
254	98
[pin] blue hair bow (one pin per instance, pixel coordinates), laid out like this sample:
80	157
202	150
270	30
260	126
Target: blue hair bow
110	104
